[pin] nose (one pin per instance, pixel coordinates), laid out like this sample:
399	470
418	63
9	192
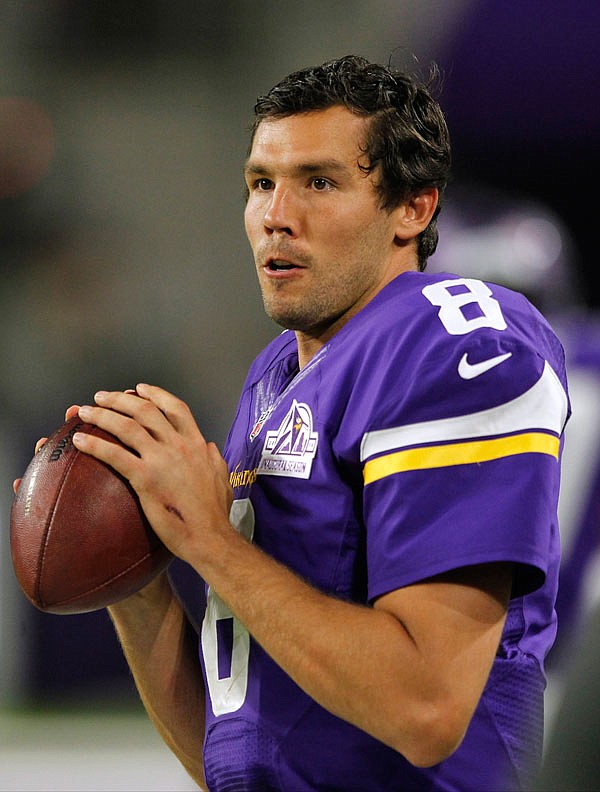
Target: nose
281	215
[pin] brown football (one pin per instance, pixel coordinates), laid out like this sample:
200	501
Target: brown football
79	538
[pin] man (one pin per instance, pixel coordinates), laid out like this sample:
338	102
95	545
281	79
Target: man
380	539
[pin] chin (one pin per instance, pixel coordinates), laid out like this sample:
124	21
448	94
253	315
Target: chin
297	318
286	318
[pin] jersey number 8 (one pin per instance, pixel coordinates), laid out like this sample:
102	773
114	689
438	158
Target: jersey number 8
465	304
225	641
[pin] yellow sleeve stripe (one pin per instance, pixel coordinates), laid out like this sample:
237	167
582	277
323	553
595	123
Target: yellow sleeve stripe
460	454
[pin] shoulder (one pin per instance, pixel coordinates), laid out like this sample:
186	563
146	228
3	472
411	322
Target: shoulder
449	308
437	345
446	307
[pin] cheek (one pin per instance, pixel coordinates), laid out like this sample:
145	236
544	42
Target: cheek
252	220
247	221
347	249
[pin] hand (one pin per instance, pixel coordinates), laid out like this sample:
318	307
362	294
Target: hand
70	413
181	479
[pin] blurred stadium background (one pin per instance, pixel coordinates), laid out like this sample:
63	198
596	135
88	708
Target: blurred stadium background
122	254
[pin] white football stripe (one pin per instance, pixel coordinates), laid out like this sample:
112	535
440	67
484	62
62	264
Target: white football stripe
544	406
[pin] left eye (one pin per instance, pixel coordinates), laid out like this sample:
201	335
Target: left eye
320	184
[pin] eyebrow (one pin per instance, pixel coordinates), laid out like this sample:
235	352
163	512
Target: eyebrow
303	169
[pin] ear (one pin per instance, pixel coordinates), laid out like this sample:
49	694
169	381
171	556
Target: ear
414	215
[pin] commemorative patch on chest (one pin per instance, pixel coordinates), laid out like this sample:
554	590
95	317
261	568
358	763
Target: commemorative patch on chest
290	449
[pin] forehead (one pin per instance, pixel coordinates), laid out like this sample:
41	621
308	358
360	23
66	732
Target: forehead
332	134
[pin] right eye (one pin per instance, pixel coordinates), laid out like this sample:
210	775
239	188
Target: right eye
263	184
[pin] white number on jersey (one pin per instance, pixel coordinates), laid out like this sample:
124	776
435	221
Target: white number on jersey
465	304
225	641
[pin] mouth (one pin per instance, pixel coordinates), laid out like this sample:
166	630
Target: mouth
275	265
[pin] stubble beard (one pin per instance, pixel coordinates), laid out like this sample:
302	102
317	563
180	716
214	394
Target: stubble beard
302	315
312	313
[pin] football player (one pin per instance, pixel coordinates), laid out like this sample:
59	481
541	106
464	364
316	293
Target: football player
379	539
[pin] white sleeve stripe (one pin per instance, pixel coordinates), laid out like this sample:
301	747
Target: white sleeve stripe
544	406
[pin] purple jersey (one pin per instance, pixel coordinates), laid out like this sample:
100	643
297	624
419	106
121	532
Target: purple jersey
423	437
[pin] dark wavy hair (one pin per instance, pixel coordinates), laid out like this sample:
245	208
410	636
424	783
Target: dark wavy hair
407	137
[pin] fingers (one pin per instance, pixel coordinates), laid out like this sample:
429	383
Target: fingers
174	409
133	433
146	421
126	415
41	442
71	412
158	411
38	446
117	456
135	417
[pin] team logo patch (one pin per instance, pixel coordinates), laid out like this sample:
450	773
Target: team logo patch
290	450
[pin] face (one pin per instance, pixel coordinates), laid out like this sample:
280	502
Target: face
323	247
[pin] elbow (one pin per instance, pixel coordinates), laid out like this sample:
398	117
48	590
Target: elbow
431	753
436	734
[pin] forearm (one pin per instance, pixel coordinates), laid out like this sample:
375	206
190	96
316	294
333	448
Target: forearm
160	645
357	662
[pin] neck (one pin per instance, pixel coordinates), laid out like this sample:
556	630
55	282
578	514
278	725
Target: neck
311	340
307	348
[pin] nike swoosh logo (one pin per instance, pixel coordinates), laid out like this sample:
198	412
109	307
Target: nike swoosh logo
469	371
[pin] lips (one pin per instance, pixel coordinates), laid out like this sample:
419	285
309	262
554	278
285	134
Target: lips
278	266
